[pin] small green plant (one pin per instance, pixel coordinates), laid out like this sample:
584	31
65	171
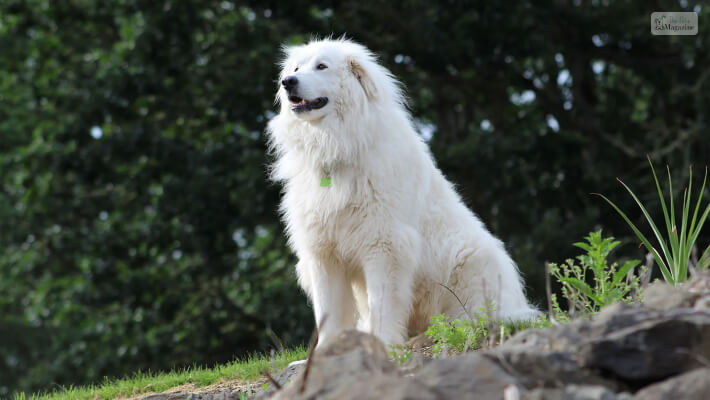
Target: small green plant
400	354
676	248
611	283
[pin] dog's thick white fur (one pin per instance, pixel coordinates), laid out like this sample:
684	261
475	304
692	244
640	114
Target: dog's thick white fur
383	246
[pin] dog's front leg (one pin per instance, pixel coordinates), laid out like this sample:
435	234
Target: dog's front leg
389	297
332	298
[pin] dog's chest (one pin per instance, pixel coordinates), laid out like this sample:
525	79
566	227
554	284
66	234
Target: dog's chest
326	213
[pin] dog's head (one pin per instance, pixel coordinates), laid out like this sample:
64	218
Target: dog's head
329	77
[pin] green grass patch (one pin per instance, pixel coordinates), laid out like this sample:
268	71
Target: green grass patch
142	382
481	332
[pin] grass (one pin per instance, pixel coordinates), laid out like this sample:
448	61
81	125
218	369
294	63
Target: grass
251	369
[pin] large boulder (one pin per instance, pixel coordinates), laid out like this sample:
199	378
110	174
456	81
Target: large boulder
633	345
659	345
344	370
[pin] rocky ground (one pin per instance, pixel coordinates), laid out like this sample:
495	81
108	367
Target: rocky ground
659	349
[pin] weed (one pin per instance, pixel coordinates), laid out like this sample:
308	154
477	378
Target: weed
611	283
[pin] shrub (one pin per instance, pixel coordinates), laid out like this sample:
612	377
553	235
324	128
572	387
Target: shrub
676	248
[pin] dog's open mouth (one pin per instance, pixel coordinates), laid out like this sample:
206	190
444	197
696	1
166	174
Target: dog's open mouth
300	105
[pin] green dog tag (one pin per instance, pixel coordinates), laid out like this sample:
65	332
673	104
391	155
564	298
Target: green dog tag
326	181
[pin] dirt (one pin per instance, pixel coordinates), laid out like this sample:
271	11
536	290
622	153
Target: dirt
225	385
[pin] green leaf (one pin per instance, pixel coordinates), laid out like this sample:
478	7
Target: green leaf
583	246
701	222
697	205
660	195
583	288
704	260
670	221
661	264
682	256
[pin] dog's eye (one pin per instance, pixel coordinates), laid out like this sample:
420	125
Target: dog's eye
295	70
321	66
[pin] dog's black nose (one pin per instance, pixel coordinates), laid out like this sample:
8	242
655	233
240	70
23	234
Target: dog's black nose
289	82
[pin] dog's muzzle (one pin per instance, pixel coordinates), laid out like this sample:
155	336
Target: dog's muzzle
299	104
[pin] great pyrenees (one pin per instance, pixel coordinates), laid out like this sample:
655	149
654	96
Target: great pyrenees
384	241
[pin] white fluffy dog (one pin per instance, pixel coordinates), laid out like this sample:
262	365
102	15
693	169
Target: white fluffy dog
384	241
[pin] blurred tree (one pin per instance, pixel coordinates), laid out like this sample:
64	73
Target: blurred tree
137	227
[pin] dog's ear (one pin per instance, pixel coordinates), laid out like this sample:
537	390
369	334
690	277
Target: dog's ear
361	74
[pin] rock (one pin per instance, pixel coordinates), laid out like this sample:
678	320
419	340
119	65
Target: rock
419	341
350	340
576	392
702	303
546	368
356	367
693	293
693	385
662	296
531	338
415	363
354	363
657	345
283	378
632	345
569	336
288	373
461	376
699	284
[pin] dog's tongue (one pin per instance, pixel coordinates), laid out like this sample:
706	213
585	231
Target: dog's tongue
300	103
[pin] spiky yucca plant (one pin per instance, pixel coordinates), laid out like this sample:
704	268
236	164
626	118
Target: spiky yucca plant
675	249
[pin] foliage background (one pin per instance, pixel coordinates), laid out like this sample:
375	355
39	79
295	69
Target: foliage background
137	227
